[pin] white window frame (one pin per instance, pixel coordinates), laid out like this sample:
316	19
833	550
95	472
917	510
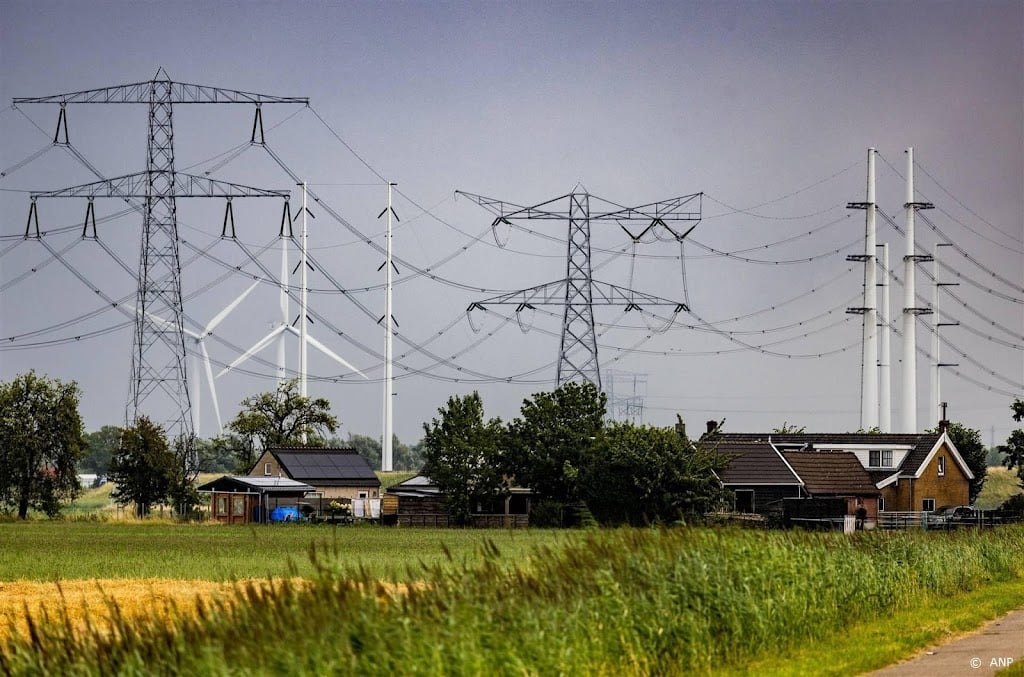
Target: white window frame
266	468
925	504
942	466
880	458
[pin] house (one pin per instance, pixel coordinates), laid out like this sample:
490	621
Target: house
913	472
333	473
419	502
839	478
242	500
757	474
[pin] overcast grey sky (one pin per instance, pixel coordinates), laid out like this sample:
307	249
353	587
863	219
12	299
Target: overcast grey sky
767	108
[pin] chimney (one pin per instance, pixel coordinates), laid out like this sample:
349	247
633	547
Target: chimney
943	422
712	427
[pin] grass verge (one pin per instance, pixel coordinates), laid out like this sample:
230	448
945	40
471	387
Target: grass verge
878	643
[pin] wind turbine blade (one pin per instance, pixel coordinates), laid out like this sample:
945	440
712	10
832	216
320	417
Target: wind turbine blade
219	317
258	346
213	386
168	323
327	351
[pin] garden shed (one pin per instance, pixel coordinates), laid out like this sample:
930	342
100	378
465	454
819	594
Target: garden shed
243	500
419	502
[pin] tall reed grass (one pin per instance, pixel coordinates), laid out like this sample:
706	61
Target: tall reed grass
635	602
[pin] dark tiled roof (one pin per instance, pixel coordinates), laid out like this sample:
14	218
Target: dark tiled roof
831	474
326	467
754	463
922	443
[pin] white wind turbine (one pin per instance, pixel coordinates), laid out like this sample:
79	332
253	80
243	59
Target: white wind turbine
285	328
200	341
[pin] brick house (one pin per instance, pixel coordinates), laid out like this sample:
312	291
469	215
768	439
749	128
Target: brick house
913	472
333	473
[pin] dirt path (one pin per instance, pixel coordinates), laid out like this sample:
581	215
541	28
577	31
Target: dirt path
984	652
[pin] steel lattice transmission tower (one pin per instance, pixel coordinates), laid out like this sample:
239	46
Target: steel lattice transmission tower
158	346
579	292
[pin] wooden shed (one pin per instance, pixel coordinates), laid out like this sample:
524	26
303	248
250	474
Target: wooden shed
243	500
418	502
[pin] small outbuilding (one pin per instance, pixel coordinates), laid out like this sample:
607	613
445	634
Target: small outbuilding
244	500
419	502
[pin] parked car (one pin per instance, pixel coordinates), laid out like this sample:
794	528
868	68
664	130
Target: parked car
954	515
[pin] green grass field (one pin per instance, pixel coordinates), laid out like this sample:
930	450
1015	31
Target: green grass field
600	602
53	550
1000	484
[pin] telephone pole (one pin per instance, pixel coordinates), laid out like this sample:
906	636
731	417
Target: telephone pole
158	349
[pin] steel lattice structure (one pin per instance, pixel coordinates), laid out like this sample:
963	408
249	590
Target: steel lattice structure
158	350
579	292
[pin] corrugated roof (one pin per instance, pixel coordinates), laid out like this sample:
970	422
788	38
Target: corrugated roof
418	485
264	485
754	462
326	467
831	473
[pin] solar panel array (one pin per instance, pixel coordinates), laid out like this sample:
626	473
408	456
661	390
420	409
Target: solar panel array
325	464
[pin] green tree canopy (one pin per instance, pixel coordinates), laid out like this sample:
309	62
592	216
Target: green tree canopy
143	469
461	454
554	437
1013	450
41	443
968	442
280	418
643	474
101	446
187	461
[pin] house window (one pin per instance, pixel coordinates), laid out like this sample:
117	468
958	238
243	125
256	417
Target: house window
928	505
363	494
881	504
745	500
942	466
880	458
266	469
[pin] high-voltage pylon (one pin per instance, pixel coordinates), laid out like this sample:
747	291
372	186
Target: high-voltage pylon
579	292
158	350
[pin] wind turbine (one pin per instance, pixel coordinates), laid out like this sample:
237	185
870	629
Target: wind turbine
285	328
200	341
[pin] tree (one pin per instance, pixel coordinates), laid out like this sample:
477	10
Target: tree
554	438
789	429
365	446
101	446
280	418
237	452
184	471
408	458
968	442
642	474
1013	450
218	454
461	454
143	469
41	443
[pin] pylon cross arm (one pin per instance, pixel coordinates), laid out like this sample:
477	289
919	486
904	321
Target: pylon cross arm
185	185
